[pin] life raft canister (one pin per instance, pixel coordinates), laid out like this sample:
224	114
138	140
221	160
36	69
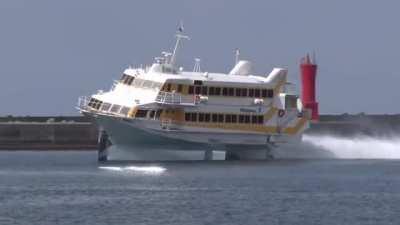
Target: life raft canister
281	113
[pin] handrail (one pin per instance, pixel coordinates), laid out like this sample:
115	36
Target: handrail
83	102
174	98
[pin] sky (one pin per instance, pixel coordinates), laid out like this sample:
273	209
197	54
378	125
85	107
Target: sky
52	52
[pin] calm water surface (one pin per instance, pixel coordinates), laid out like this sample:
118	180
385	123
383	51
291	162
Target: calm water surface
71	188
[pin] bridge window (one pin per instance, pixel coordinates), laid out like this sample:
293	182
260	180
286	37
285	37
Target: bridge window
168	87
198	82
105	106
124	110
257	93
141	113
254	119
180	88
115	108
197	90
247	119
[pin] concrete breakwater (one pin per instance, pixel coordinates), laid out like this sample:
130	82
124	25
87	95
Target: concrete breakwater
47	133
80	133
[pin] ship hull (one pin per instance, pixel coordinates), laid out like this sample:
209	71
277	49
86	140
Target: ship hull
146	140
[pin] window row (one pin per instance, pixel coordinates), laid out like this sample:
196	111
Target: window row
126	79
108	107
223	118
230	91
139	83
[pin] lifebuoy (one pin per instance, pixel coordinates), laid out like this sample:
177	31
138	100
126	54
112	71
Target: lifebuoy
281	113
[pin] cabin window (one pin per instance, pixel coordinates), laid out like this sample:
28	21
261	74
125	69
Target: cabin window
152	113
115	108
238	92
214	118
207	117
211	90
191	90
105	106
158	113
264	93
187	116
204	90
241	118
168	87
201	117
270	93
254	119
180	87
231	91
220	118
234	119
225	91
141	113
197	90
247	119
244	92
217	91
124	110
251	92
228	118
260	119
193	117
257	93
198	82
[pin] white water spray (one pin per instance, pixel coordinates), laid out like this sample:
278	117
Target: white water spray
141	169
357	147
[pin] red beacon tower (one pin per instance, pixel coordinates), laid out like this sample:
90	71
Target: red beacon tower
308	69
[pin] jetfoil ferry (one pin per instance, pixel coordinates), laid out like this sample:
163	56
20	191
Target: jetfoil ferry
162	111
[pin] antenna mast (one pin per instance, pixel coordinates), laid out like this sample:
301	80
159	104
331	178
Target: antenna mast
237	54
179	36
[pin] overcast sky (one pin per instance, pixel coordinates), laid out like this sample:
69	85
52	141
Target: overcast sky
52	52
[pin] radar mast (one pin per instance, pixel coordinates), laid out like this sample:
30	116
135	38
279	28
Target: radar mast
179	35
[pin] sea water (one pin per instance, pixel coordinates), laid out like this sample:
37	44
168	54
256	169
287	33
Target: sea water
72	188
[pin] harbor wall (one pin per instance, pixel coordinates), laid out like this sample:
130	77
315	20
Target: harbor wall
80	133
45	133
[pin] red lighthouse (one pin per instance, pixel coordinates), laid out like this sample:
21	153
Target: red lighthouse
308	70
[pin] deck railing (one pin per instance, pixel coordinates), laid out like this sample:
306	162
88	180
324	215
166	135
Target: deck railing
174	98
